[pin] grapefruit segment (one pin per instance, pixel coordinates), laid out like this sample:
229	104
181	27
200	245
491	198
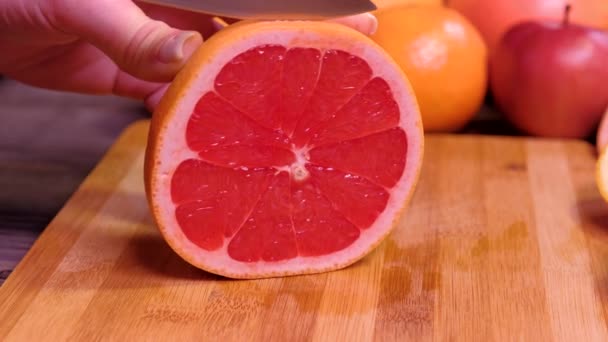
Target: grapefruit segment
251	82
319	228
379	157
191	215
225	136
372	110
268	233
358	199
298	83
215	197
283	148
214	122
342	75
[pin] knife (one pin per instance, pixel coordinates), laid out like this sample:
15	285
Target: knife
271	9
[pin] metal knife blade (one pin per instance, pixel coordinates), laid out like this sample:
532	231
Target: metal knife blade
271	9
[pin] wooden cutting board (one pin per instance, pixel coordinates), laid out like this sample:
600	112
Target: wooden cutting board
506	239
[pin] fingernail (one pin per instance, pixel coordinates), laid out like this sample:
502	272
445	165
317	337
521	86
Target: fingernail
179	46
373	23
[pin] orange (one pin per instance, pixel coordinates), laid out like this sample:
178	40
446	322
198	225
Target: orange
283	148
443	56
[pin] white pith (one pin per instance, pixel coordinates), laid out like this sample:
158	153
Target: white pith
298	169
173	150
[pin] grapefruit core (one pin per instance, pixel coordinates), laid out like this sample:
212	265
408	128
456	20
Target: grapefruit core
283	148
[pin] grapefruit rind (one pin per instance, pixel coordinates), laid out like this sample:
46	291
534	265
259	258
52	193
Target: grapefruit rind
167	145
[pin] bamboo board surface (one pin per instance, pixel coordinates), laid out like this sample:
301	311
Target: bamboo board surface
505	239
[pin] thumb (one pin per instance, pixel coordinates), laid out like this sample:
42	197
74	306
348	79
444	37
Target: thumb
147	49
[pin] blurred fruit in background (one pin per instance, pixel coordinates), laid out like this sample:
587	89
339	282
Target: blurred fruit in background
494	17
443	56
549	78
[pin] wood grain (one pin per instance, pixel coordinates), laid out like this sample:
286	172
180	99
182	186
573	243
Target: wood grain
506	239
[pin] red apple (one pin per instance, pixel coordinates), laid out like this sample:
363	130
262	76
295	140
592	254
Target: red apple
494	17
551	78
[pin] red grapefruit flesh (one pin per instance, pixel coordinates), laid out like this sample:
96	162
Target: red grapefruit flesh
283	148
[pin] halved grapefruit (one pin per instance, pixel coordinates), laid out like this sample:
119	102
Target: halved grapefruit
283	148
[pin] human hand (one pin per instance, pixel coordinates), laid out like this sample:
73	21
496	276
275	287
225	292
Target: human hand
105	46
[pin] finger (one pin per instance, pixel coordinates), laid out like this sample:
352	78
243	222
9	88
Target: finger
365	23
85	69
146	48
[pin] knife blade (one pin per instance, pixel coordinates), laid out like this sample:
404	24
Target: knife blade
271	9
